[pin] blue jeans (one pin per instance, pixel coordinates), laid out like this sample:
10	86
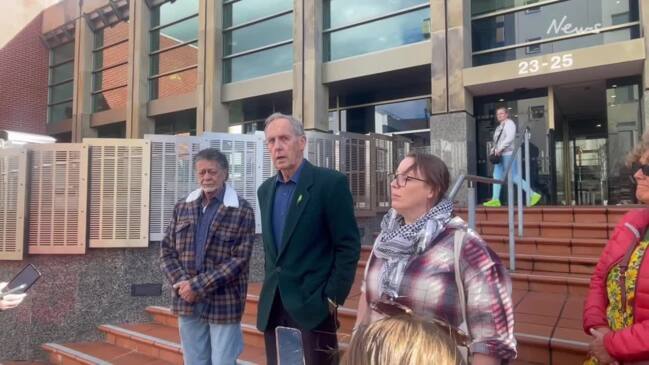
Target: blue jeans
204	343
499	171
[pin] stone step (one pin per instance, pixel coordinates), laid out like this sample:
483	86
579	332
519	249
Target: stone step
163	342
100	353
577	214
575	247
552	264
548	229
550	283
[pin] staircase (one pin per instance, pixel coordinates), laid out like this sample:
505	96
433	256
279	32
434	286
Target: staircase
554	259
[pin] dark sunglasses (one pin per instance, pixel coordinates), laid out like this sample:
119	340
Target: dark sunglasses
634	169
391	308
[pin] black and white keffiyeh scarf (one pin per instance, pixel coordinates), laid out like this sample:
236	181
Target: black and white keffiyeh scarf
398	242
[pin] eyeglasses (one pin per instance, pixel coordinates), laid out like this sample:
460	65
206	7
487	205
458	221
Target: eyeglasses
402	179
212	172
391	308
635	167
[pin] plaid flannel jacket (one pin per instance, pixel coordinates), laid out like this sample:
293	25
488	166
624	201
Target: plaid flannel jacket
223	284
429	288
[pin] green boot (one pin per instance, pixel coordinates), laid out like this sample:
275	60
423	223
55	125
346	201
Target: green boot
493	203
536	198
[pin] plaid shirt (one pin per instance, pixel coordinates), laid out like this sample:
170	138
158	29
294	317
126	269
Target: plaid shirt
429	288
222	284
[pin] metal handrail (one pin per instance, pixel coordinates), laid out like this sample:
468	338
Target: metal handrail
472	180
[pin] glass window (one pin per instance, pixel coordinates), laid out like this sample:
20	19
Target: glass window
176	83
174	51
177	123
487	6
60	111
62	53
62	72
410	115
624	116
586	20
115	130
343	12
260	63
61	84
382	34
110	68
257	39
260	34
238	12
403	116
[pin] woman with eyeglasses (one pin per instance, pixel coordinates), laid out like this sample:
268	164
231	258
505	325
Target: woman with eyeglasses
616	312
412	266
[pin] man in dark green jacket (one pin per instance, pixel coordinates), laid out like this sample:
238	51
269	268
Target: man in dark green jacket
311	244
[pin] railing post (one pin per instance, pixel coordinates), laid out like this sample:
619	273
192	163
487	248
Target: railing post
528	198
510	213
471	200
520	193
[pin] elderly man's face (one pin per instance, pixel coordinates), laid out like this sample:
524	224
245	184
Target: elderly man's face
286	149
210	175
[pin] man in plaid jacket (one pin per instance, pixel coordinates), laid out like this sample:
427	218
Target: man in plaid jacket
205	255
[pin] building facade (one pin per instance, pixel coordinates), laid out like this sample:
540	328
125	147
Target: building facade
572	71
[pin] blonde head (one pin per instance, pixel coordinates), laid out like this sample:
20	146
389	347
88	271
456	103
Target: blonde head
402	340
640	152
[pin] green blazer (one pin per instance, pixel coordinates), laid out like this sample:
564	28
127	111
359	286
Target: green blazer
320	248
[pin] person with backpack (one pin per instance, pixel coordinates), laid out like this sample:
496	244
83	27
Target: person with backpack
427	263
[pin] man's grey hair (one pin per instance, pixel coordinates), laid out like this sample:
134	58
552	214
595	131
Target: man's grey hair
298	127
212	154
503	108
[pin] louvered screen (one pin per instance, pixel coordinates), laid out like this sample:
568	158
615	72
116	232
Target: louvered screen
58	197
401	147
354	161
13	173
119	192
242	153
382	166
172	177
320	149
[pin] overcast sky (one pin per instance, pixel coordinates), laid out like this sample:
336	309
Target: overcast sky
15	14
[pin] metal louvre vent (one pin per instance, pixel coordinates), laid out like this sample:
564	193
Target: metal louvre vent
13	168
354	162
242	153
320	149
172	177
119	192
383	165
58	196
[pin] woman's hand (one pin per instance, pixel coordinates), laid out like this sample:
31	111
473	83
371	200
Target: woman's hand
597	347
10	300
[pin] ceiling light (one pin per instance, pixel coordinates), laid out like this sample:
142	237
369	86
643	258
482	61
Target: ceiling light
614	86
501	100
598	126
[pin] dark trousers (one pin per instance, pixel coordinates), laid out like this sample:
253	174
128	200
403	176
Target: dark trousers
320	344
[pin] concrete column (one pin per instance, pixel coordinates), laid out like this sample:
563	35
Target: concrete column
644	23
211	114
310	96
137	122
82	99
453	130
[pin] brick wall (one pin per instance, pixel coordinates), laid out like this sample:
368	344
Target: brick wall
23	81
